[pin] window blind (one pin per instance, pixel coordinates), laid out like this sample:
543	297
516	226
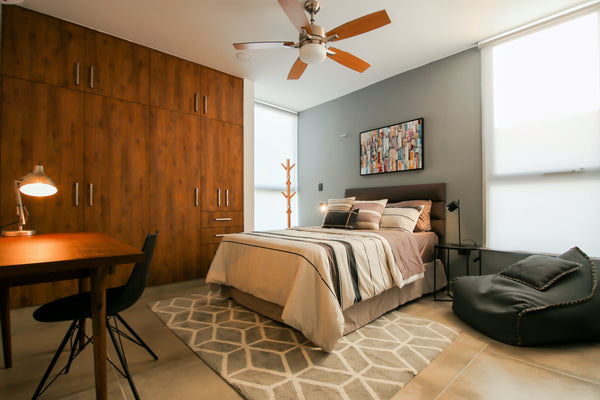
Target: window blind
541	136
274	142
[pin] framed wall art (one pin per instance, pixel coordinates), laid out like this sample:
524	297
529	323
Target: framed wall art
392	148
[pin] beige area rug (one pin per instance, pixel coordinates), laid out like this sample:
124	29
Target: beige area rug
263	359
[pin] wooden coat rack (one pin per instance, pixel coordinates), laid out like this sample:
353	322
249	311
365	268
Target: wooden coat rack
289	194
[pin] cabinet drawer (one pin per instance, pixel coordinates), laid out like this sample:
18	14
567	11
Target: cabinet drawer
222	218
214	235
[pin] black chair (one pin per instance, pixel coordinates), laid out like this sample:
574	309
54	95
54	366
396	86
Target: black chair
76	308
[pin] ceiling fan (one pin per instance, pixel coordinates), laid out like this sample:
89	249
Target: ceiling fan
313	39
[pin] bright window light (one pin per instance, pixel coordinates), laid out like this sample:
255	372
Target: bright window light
541	122
274	142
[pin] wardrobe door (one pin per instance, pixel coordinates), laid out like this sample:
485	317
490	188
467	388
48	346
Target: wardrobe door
175	83
222	96
42	124
117	68
116	171
42	48
231	166
212	192
174	195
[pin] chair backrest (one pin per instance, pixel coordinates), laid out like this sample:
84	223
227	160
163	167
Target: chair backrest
129	293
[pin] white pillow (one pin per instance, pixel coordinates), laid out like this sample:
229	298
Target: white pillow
403	218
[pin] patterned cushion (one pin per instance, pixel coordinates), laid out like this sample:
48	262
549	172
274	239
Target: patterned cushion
340	219
370	213
340	204
424	222
403	218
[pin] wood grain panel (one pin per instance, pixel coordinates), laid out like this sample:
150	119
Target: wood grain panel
42	48
121	69
174	83
174	175
224	95
116	164
210	164
41	124
232	165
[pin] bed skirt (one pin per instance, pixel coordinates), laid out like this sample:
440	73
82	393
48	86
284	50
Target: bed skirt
360	313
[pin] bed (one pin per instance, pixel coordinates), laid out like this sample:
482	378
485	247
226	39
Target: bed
299	276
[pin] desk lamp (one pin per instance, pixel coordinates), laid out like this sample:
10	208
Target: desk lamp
36	184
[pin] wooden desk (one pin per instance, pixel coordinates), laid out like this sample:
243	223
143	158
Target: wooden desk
59	256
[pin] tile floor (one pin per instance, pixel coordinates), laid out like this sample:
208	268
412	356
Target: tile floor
472	367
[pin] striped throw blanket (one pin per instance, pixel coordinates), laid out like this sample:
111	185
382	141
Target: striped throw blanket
315	274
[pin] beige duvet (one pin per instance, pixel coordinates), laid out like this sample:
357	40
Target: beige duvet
315	273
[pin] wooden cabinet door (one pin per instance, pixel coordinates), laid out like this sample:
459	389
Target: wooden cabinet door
175	83
222	96
222	166
212	194
117	68
116	171
232	166
42	124
174	195
41	48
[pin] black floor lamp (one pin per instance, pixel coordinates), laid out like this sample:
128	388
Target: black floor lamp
455	205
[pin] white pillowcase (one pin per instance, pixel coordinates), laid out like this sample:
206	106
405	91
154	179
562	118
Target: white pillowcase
403	218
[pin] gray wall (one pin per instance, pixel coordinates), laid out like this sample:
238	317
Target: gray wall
445	93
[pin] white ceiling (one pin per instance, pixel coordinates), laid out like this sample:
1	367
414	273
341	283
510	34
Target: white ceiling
203	31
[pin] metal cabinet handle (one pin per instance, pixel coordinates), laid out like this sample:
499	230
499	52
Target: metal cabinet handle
218	197
77	73
227	198
91	76
222	219
196	102
91	191
205	101
76	194
220	235
196	197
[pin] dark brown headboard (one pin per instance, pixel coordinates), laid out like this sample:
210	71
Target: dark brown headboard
436	192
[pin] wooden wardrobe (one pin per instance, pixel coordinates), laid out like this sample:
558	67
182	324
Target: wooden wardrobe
137	141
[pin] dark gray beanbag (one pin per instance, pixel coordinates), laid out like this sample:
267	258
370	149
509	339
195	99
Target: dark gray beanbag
539	300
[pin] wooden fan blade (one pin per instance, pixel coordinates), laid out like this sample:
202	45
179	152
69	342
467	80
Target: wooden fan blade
348	60
295	12
361	25
261	45
297	69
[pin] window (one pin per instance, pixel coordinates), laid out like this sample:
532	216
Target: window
274	142
541	131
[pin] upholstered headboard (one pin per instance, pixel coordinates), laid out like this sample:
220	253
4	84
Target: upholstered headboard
436	192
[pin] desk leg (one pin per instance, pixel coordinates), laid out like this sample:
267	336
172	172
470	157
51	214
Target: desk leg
98	281
5	322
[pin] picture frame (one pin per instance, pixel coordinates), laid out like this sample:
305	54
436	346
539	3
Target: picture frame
392	148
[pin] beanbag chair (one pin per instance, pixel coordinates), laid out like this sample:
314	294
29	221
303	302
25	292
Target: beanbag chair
539	300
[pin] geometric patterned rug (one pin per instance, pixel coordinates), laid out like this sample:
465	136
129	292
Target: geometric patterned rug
263	359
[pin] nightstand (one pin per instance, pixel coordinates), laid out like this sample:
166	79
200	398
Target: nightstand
442	251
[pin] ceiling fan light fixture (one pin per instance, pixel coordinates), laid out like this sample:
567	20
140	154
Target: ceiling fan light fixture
313	53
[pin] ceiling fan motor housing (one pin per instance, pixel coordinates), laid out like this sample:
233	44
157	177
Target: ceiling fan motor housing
312	45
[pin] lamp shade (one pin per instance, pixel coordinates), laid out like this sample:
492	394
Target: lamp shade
453	205
37	183
313	53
